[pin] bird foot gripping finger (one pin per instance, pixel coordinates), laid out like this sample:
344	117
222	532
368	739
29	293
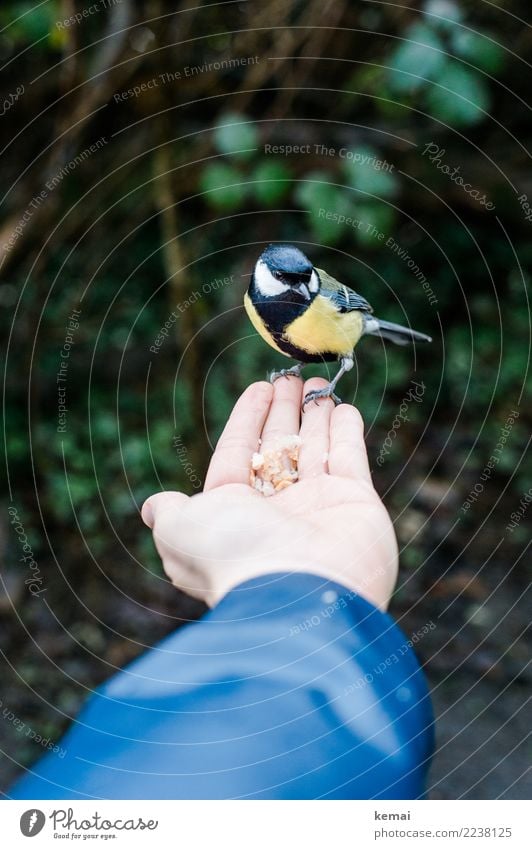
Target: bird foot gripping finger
316	394
295	371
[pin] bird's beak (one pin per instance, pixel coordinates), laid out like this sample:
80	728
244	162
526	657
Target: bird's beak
303	290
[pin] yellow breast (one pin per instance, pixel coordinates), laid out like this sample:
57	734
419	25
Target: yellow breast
323	329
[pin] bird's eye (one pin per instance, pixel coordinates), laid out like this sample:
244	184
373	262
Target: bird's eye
277	275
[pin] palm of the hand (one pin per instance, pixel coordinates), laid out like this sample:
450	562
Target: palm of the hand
331	521
342	523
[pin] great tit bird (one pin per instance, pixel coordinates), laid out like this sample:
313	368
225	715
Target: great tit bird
306	314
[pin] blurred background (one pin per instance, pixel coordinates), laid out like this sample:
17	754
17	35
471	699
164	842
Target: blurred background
149	153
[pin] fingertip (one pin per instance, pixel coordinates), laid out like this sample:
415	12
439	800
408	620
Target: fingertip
257	396
147	513
346	413
261	390
287	386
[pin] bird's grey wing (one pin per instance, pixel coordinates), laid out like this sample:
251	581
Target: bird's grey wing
344	298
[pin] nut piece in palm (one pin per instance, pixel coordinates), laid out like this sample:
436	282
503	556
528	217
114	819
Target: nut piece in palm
275	467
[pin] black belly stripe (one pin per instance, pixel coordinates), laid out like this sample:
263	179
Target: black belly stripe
278	313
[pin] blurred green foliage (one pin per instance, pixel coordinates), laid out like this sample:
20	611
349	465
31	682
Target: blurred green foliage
167	219
435	79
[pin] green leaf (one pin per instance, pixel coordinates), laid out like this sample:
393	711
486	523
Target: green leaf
272	182
416	59
222	185
314	191
367	175
461	97
235	133
367	79
378	222
443	13
33	22
320	198
479	50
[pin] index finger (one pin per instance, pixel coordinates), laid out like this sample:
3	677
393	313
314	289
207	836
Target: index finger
231	460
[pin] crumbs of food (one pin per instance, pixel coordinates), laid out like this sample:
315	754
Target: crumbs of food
275	467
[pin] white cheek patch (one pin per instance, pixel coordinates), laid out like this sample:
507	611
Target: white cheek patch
314	283
266	283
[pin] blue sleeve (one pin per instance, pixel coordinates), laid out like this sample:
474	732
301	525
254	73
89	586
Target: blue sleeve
293	687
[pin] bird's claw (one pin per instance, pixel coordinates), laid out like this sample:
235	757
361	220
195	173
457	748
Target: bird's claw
295	371
316	394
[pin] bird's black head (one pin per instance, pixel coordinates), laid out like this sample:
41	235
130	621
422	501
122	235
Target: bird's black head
283	271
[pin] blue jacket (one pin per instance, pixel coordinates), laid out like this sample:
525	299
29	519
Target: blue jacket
293	687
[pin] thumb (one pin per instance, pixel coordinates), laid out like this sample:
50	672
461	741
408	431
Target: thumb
157	504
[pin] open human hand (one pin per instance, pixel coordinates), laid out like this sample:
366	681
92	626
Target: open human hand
331	522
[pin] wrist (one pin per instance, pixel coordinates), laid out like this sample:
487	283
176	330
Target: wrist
222	579
375	584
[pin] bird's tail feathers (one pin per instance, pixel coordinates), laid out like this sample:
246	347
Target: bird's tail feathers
394	332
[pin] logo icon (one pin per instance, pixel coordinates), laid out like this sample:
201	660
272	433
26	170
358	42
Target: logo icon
32	822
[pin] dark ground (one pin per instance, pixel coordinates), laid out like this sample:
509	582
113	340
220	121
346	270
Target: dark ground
477	659
149	218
